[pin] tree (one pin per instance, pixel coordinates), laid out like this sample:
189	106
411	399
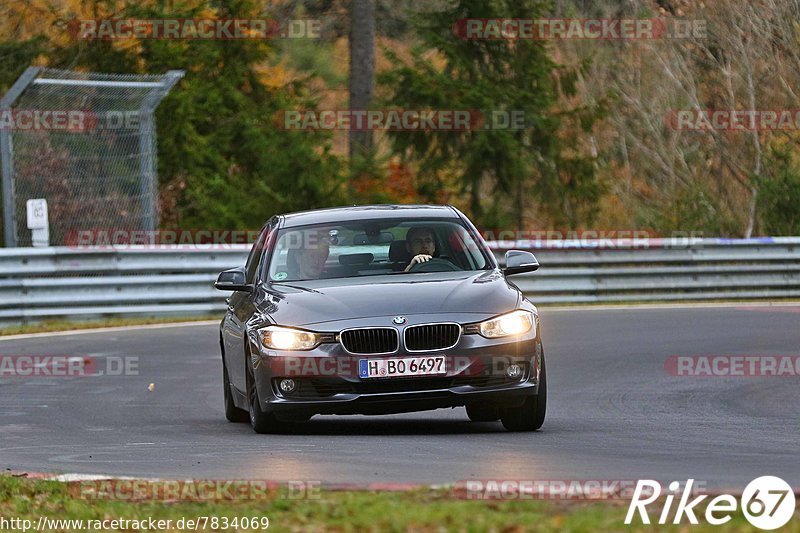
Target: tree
362	68
779	197
224	159
514	168
746	59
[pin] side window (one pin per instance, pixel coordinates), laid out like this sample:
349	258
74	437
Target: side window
255	254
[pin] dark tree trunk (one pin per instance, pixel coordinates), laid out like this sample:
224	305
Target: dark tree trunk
362	68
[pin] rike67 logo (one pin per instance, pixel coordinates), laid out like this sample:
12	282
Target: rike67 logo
767	502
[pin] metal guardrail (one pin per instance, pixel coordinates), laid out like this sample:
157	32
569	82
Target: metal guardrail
663	270
46	283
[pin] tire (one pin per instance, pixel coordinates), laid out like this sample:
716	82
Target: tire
232	413
483	413
260	421
530	415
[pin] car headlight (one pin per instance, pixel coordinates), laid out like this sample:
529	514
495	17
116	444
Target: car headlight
513	323
280	338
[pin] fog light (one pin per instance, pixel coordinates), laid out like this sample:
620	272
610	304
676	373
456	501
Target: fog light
514	371
287	385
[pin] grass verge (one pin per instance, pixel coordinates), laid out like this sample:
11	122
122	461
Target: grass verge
328	510
69	325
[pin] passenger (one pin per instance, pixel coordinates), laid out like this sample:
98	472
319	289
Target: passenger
309	261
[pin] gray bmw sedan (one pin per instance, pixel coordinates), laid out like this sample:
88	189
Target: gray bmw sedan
375	310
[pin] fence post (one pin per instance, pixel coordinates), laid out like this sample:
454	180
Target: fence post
7	157
147	148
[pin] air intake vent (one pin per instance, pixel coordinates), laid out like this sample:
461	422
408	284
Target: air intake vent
428	337
370	341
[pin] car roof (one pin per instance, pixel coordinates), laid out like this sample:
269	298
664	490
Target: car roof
367	212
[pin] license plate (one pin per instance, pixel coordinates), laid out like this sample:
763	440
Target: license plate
406	366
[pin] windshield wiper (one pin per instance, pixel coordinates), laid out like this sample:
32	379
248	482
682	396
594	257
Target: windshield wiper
298	287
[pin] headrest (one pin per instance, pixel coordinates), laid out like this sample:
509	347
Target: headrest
398	252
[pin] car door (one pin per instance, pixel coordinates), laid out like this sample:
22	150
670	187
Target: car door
240	309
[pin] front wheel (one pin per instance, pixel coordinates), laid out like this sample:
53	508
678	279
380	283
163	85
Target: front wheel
530	415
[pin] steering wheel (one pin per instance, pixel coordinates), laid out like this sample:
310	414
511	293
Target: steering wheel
435	264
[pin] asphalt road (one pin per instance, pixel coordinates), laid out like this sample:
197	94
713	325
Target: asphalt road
614	412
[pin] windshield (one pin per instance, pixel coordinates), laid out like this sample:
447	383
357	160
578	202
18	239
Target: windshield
374	247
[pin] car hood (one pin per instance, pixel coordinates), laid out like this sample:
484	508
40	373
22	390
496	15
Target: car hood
313	302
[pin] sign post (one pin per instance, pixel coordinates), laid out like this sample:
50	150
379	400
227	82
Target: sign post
37	221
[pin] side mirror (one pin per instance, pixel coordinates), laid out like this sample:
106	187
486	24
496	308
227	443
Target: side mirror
518	262
232	280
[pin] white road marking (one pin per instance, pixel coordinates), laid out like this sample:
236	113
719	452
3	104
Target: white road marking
93	477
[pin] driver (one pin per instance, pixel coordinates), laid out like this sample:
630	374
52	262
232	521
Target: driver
420	244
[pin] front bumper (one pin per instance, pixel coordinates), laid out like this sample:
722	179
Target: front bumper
327	380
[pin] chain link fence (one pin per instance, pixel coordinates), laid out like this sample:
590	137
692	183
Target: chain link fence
86	143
